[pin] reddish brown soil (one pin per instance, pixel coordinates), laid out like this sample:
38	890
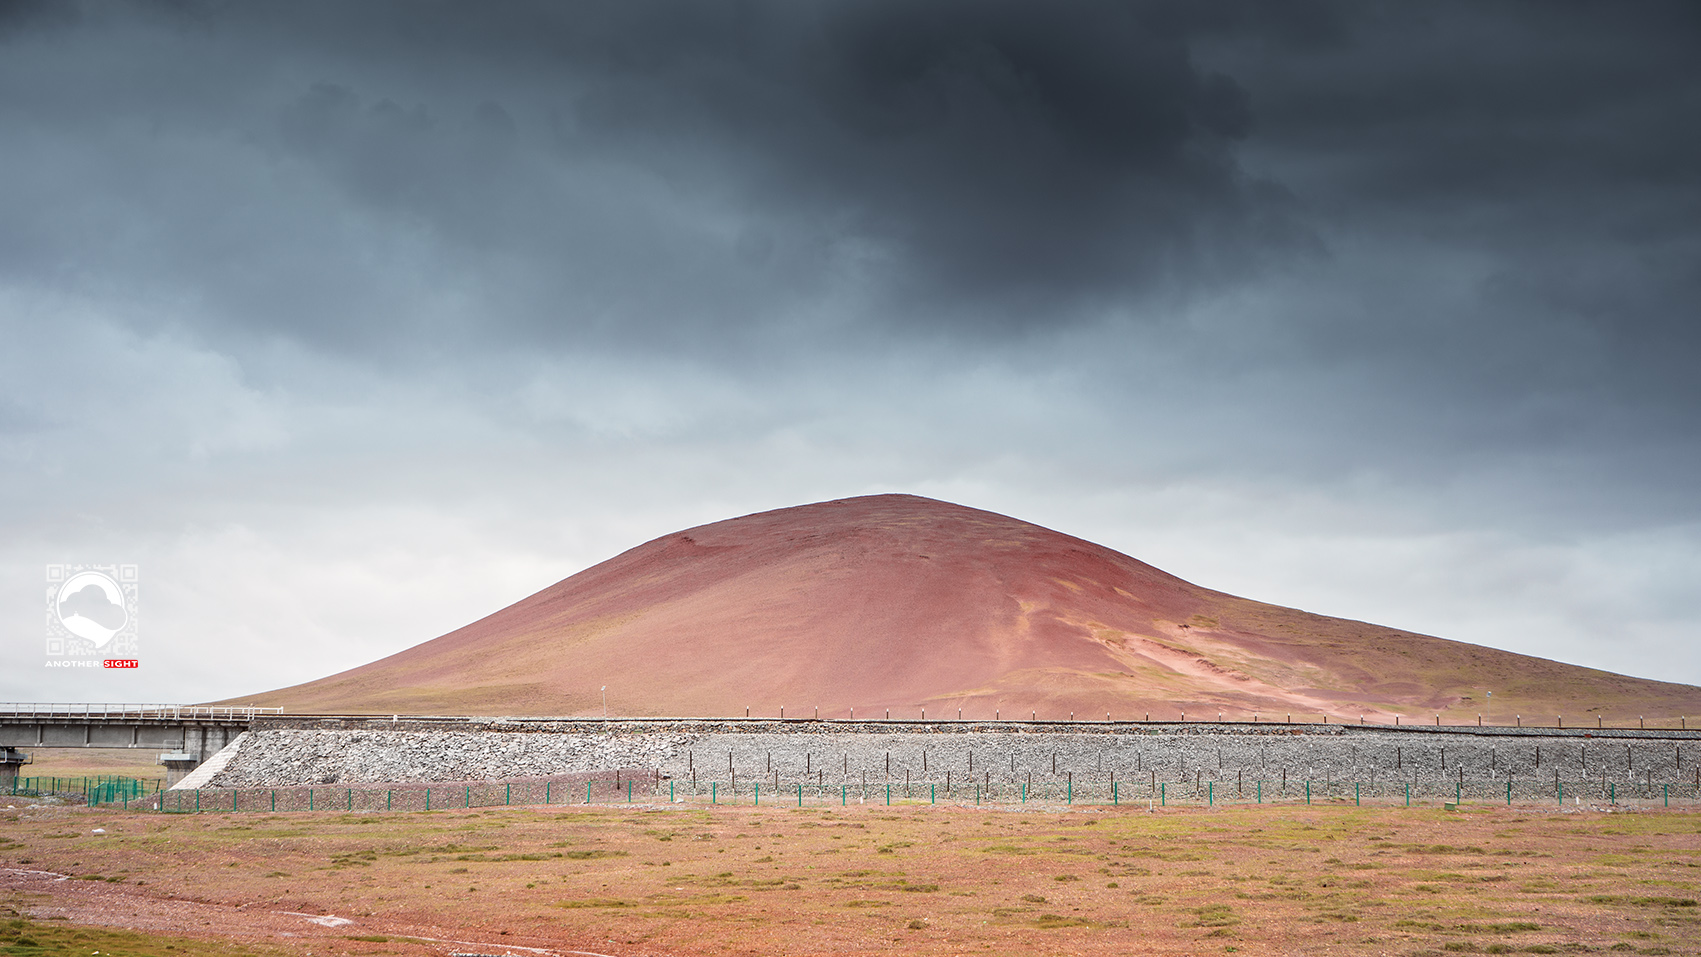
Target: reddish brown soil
903	603
1259	880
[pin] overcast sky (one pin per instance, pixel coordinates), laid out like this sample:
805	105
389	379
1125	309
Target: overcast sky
349	323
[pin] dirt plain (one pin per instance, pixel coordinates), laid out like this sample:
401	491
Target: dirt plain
140	763
919	879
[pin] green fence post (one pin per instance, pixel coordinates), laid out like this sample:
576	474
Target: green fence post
350	800
389	800
933	794
714	790
1163	795
800	794
1612	792
1508	792
888	795
469	797
1260	792
670	798
1665	790
274	799
1459	793
309	799
428	799
758	793
1211	793
587	792
1308	792
844	795
628	790
197	800
1113	797
546	785
1024	792
1408	795
1071	789
508	796
1561	789
1355	794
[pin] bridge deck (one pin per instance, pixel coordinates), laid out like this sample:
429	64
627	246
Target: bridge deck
90	725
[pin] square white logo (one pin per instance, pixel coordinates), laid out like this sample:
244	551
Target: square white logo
91	616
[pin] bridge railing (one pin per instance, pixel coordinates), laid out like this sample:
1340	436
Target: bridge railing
112	711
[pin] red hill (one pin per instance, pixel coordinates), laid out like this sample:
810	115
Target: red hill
900	602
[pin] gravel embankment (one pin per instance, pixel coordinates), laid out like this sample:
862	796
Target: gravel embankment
288	758
1224	753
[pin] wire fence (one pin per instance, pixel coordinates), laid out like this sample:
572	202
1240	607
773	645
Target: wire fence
650	789
95	789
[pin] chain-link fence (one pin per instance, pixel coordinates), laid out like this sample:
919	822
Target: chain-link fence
94	789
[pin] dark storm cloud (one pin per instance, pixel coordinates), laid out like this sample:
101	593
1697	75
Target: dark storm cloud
1557	142
26	14
657	164
1016	159
380	177
994	144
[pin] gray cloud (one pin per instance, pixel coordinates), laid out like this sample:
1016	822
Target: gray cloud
1365	293
1543	146
956	163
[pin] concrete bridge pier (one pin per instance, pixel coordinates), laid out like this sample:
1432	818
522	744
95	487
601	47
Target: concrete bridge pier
177	765
10	760
198	744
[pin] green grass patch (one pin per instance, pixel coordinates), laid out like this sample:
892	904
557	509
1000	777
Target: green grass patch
1212	915
1640	901
1510	927
1054	921
594	902
26	938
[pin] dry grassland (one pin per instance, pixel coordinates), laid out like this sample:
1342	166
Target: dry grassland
140	763
621	880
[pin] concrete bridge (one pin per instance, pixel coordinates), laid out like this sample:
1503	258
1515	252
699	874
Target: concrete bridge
185	734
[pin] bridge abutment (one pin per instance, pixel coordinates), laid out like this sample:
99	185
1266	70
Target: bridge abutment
11	760
178	764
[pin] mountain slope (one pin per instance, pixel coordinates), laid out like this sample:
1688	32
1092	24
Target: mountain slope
903	603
